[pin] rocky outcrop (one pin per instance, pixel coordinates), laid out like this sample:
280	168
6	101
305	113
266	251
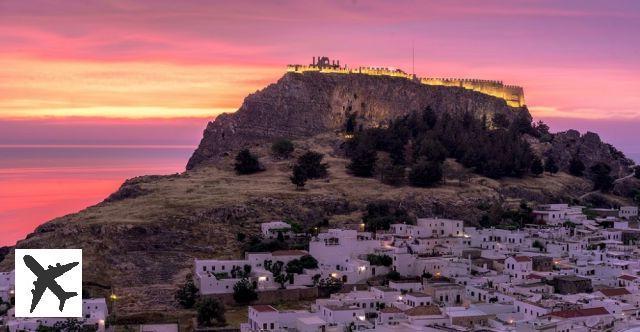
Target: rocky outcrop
628	186
588	148
302	105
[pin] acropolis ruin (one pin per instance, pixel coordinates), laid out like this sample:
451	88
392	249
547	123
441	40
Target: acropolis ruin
513	95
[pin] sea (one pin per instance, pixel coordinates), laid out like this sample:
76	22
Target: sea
42	182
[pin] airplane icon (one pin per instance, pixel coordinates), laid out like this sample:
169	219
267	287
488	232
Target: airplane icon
46	279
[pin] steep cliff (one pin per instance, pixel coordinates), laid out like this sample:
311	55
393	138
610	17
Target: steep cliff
305	104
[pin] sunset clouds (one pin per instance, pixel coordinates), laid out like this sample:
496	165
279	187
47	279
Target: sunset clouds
165	59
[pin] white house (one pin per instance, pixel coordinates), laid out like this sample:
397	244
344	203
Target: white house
214	276
7	286
518	267
94	314
263	318
270	230
628	212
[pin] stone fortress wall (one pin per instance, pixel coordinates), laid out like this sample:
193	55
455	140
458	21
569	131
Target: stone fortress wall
512	94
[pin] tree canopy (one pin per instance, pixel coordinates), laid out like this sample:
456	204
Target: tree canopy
247	163
427	138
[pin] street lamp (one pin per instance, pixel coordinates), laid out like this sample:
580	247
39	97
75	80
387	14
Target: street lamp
113	297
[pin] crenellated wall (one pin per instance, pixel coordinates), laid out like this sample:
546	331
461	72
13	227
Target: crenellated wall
512	94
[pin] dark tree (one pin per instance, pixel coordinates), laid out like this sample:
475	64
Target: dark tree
500	120
426	135
636	172
294	266
602	179
350	123
536	166
244	292
69	325
576	167
363	162
379	216
541	129
299	176
187	295
388	172
551	166
308	262
394	275
282	148
298	265
211	312
431	150
247	163
380	260
312	164
429	117
425	173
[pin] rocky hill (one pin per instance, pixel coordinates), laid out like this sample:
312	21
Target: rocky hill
302	105
141	241
305	104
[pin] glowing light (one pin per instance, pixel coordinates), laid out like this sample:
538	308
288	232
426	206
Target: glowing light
113	297
361	317
513	95
262	278
334	275
362	268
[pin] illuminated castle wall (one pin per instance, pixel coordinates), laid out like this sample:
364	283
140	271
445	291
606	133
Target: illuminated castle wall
513	95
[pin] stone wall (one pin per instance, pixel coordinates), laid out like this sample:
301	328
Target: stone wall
273	296
512	94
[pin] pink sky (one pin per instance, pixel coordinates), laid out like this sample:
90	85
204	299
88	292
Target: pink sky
155	71
146	59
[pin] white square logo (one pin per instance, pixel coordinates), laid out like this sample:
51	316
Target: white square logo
48	282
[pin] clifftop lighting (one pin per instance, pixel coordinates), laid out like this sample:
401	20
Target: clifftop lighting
513	95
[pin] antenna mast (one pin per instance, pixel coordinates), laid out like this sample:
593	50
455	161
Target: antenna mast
413	59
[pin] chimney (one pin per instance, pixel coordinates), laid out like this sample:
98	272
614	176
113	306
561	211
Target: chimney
338	63
314	61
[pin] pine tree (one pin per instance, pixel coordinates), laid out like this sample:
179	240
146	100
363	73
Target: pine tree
210	312
602	180
576	167
244	292
282	148
550	166
536	166
247	163
425	173
312	164
363	162
299	177
350	124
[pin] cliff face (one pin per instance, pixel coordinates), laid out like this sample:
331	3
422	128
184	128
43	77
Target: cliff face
302	105
588	148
